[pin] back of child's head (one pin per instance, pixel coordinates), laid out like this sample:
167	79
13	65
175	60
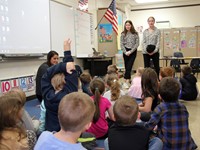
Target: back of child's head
58	81
20	92
97	87
169	89
112	69
167	72
11	107
139	71
112	82
75	111
149	82
85	77
126	110
186	70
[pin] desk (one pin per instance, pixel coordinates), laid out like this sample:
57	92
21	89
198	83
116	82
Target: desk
97	65
178	58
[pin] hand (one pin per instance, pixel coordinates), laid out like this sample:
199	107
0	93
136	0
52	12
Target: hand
151	54
128	53
67	45
69	67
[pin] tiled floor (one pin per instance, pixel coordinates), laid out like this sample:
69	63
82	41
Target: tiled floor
194	118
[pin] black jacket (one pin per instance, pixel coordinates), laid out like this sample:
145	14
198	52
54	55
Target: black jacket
128	137
189	89
52	100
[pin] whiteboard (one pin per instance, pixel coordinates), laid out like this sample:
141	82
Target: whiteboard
84	34
62	26
24	26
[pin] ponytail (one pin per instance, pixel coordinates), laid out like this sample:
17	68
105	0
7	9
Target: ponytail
97	96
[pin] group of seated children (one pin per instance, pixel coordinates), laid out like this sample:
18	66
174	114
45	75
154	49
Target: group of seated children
68	113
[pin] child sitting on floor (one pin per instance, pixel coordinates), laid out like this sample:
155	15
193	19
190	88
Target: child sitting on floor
72	123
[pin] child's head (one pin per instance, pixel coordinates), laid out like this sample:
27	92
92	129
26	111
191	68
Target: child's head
113	84
112	69
75	112
139	71
186	70
97	87
85	77
11	108
126	110
58	81
166	72
21	94
149	82
169	89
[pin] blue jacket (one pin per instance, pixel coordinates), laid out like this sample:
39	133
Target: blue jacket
52	100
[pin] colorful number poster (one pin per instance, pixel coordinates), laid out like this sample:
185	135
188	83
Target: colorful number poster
14	83
23	84
30	83
5	86
105	33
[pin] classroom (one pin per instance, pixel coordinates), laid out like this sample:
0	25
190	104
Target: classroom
30	29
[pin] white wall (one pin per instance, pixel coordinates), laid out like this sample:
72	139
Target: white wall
178	17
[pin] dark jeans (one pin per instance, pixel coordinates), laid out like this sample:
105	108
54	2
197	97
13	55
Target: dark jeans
155	59
128	62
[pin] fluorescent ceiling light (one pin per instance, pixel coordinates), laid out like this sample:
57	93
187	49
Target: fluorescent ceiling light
149	1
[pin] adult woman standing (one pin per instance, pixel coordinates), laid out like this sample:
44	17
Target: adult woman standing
129	42
52	59
151	45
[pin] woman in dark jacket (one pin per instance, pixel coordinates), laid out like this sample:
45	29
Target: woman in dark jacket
52	59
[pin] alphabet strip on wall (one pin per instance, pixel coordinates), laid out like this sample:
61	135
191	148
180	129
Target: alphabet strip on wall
25	83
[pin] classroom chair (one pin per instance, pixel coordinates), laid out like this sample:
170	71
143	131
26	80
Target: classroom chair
195	65
182	61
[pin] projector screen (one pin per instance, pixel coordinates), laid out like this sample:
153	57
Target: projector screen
24	26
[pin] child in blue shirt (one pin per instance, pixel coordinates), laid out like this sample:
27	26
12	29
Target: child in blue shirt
75	114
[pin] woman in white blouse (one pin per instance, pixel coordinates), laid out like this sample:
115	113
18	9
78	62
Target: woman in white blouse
151	45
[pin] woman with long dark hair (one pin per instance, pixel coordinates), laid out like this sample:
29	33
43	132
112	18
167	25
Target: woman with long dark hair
52	59
129	42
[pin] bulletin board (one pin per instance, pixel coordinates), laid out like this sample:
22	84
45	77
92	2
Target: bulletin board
109	47
188	41
171	41
198	41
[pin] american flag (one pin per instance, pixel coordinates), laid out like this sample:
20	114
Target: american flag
111	16
83	4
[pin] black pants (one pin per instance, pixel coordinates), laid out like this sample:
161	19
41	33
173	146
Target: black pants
39	97
155	59
128	62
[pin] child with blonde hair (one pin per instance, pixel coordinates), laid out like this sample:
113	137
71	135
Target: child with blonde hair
112	69
53	98
114	91
28	122
58	82
12	133
72	123
135	90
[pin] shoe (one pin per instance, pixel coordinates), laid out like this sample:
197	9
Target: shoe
125	85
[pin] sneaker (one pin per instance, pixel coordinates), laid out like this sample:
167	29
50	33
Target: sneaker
125	85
